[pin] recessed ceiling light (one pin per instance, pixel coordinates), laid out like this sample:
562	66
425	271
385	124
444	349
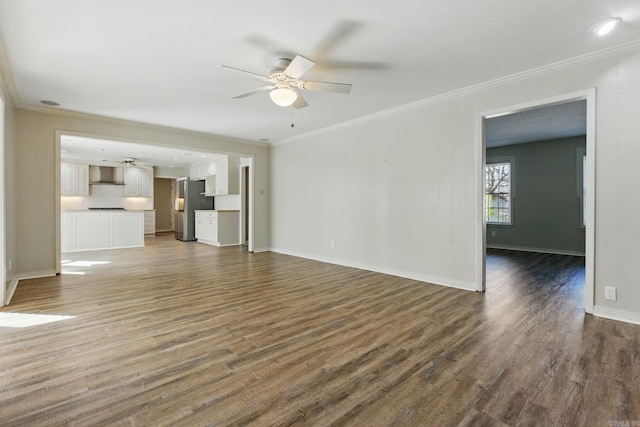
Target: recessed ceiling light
604	27
170	166
203	155
140	154
264	139
176	158
188	154
50	103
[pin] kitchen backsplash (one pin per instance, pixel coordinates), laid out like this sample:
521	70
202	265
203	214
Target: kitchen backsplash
106	196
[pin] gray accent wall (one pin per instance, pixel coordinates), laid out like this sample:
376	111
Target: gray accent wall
547	208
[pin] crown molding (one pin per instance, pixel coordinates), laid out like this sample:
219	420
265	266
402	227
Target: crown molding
55	111
7	74
618	50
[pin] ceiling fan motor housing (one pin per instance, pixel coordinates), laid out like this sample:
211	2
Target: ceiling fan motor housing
277	74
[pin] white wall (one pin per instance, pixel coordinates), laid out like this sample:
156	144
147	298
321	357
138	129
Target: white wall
167	172
397	192
36	168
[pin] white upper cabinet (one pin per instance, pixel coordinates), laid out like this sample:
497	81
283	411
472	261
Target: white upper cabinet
202	171
222	177
210	185
74	179
138	182
228	176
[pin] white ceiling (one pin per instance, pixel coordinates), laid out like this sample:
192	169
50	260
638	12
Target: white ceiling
158	61
109	152
537	124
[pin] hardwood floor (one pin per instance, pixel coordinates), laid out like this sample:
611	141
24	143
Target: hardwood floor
185	334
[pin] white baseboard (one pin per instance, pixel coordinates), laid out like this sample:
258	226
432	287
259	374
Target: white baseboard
24	276
257	250
619	315
16	280
12	288
36	274
392	272
537	250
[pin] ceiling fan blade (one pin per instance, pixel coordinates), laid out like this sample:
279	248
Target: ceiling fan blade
298	67
340	32
325	86
256	75
253	92
300	102
353	65
270	45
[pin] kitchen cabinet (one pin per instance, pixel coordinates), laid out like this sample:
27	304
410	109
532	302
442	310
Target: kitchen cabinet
85	230
74	179
138	182
218	228
150	222
227	176
203	170
210	185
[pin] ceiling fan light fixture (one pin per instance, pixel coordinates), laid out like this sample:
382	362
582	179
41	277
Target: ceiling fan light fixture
283	96
605	27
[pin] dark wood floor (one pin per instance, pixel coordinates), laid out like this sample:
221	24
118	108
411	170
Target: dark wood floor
184	334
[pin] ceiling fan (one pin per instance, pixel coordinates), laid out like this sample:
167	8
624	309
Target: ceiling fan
285	83
128	161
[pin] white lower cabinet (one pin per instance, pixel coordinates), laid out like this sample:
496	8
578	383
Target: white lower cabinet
150	222
86	231
218	228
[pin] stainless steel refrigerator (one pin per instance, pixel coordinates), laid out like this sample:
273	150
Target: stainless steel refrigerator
189	200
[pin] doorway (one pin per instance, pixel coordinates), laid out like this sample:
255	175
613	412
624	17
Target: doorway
163	202
247	220
86	145
589	206
244	205
4	286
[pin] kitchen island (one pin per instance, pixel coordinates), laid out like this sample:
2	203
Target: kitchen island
218	227
102	229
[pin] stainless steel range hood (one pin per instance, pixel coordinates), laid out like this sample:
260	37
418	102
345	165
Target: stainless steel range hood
106	175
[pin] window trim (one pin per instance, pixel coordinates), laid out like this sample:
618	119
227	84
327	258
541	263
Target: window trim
512	188
581	181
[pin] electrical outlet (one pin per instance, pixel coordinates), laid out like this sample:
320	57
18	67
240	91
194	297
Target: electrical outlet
610	293
333	244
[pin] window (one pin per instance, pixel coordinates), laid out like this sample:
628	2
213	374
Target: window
498	192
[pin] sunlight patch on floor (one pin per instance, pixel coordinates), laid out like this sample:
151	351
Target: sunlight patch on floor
24	320
70	267
83	263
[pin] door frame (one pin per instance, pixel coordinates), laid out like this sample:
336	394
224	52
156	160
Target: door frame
3	244
590	96
244	204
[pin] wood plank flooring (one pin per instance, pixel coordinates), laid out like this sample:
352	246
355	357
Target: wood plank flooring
185	334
